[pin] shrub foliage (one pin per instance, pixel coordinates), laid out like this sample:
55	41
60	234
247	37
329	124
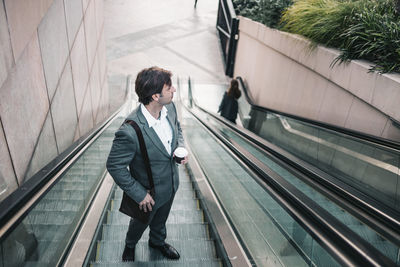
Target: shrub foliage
268	12
361	29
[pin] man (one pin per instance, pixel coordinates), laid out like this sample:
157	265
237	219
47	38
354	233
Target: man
157	119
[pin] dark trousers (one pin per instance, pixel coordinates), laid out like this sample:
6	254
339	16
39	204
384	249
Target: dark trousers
158	231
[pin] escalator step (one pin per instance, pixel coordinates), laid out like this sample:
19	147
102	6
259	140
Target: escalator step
66	194
50	217
175	217
48	233
388	249
191	263
181	193
58	205
188	249
84	186
189	231
178	204
85	171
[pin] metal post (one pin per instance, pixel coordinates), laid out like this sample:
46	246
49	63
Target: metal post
190	93
230	62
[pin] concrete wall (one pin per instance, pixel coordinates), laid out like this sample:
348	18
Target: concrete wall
283	73
53	84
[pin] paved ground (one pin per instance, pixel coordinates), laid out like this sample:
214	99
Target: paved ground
170	34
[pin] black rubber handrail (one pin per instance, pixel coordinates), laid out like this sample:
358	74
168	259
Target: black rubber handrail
342	243
377	141
12	204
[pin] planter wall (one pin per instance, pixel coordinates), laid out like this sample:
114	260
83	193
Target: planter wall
282	72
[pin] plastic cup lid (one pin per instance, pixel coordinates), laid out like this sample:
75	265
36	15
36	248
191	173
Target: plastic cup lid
181	152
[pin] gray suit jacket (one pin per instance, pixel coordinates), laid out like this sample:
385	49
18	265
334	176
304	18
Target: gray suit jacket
126	148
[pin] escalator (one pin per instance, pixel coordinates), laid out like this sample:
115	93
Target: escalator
238	205
45	225
48	215
372	220
187	232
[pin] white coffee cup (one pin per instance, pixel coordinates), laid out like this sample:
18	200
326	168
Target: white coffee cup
180	153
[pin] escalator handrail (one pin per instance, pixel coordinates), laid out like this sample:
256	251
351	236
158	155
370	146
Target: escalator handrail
22	197
374	140
353	250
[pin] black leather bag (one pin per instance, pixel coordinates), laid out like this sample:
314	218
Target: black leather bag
129	206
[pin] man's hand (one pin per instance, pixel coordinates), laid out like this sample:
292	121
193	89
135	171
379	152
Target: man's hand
185	160
147	203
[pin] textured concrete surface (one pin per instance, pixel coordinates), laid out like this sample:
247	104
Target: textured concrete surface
102	58
6	56
53	44
45	150
104	103
95	87
331	111
170	34
80	68
386	92
90	33
86	115
23	18
73	16
24	105
9	182
44	77
64	112
99	9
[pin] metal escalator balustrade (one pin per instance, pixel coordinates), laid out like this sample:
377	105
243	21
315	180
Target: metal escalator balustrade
385	246
253	212
42	236
355	245
361	243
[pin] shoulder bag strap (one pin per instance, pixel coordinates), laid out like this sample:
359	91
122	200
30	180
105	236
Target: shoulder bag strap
144	153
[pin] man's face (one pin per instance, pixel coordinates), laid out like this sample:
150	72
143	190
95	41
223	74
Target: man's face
166	95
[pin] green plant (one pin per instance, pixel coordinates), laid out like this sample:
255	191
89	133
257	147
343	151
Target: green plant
320	20
246	8
375	36
271	11
268	12
361	29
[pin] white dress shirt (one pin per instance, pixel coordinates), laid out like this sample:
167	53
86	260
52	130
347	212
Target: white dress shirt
161	126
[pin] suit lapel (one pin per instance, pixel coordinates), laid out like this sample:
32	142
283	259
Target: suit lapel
173	131
151	134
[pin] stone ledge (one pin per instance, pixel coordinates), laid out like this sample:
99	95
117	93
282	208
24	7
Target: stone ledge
382	91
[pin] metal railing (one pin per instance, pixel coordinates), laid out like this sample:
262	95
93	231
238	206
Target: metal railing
228	31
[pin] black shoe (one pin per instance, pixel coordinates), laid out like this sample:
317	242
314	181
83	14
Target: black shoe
167	250
129	254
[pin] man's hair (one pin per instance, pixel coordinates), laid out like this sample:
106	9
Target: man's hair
151	81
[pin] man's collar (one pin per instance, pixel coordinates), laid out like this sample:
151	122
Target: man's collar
149	118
